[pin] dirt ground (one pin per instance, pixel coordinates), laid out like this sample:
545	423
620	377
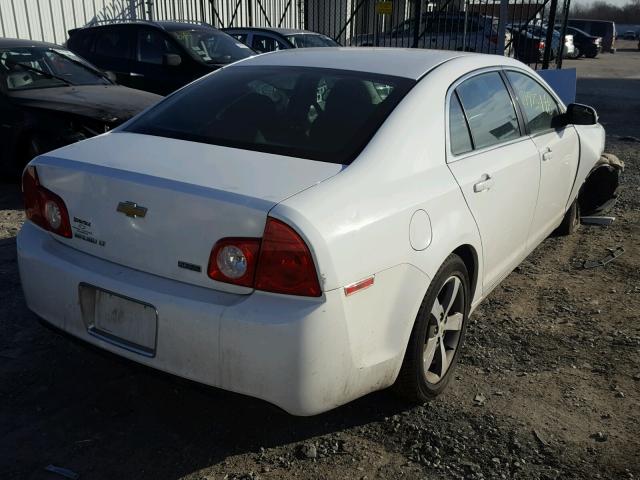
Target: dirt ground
548	386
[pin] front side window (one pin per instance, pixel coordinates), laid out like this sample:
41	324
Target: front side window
538	105
211	46
153	46
489	110
315	113
43	67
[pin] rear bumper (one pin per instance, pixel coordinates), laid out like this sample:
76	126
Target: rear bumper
297	353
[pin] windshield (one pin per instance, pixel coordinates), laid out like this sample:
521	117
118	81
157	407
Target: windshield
212	46
315	113
308	40
24	68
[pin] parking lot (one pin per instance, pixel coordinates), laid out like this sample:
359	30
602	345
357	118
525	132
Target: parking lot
548	386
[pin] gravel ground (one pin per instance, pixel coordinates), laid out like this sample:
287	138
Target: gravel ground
548	386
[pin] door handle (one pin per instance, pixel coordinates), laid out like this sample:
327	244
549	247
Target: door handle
485	183
134	74
547	155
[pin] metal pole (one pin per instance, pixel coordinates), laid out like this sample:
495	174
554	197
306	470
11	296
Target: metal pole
563	30
548	47
466	22
502	26
417	12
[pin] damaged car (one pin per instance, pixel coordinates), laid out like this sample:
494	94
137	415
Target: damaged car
50	97
310	225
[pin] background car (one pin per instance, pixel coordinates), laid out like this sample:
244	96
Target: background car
568	49
587	45
629	35
271	39
604	29
451	31
525	46
159	57
50	97
310	225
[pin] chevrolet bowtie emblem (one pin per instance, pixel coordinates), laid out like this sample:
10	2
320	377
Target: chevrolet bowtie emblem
132	209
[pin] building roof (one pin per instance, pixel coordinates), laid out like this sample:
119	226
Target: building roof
402	62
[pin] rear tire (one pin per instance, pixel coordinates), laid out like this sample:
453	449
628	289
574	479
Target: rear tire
438	334
571	221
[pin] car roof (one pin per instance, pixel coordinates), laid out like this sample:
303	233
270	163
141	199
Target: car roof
161	24
410	63
281	31
19	42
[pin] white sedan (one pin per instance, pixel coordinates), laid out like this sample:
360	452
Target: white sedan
306	226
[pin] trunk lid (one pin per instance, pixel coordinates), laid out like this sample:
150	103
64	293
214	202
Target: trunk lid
194	194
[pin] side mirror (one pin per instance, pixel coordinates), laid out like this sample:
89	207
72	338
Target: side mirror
111	76
578	114
171	59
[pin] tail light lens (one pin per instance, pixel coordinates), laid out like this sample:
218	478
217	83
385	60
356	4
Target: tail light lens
280	262
540	45
43	207
286	264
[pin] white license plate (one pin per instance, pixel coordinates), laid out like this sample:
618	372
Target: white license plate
120	320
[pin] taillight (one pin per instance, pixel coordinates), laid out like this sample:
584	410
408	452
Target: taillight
285	264
540	45
43	207
280	262
234	260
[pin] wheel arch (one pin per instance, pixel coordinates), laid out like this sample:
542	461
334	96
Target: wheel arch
469	256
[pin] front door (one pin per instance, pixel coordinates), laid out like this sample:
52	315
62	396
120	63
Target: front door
558	152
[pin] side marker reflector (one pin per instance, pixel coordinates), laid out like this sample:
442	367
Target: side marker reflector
356	287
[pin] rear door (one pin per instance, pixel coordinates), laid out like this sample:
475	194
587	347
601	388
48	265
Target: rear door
497	168
113	50
558	150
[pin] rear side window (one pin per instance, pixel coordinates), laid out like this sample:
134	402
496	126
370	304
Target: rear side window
240	36
315	113
262	43
458	129
489	110
538	105
113	43
153	46
81	42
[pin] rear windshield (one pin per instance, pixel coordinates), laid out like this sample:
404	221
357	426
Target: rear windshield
309	40
315	113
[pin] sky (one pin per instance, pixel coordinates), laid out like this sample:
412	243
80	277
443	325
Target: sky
618	3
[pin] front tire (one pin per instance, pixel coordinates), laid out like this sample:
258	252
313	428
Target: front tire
571	221
438	334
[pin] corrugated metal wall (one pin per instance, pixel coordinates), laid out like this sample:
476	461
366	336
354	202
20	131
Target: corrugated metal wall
50	20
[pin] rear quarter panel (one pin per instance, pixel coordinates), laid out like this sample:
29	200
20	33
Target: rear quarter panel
358	223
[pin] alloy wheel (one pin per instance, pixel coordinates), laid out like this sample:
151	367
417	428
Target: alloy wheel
444	329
